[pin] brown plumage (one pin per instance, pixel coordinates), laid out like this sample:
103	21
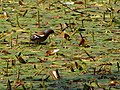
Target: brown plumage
41	36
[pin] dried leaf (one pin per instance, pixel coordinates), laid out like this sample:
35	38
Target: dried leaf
82	42
55	74
42	59
6	15
65	35
55	17
13	62
20	3
113	83
5	52
78	2
18	83
51	52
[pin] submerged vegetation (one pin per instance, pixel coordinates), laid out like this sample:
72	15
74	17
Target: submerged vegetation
83	54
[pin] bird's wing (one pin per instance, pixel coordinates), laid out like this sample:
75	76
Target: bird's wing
36	36
40	34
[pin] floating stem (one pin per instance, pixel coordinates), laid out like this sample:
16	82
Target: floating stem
103	16
85	3
30	37
94	70
11	44
118	66
38	18
17	19
7	64
16	38
9	87
18	74
93	36
89	55
1	7
82	23
2	35
109	1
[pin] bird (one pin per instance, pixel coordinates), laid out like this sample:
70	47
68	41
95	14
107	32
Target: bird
41	36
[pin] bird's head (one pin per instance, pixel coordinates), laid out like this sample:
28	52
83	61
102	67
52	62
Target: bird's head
48	31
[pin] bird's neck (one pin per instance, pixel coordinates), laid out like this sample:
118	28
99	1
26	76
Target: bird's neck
46	32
